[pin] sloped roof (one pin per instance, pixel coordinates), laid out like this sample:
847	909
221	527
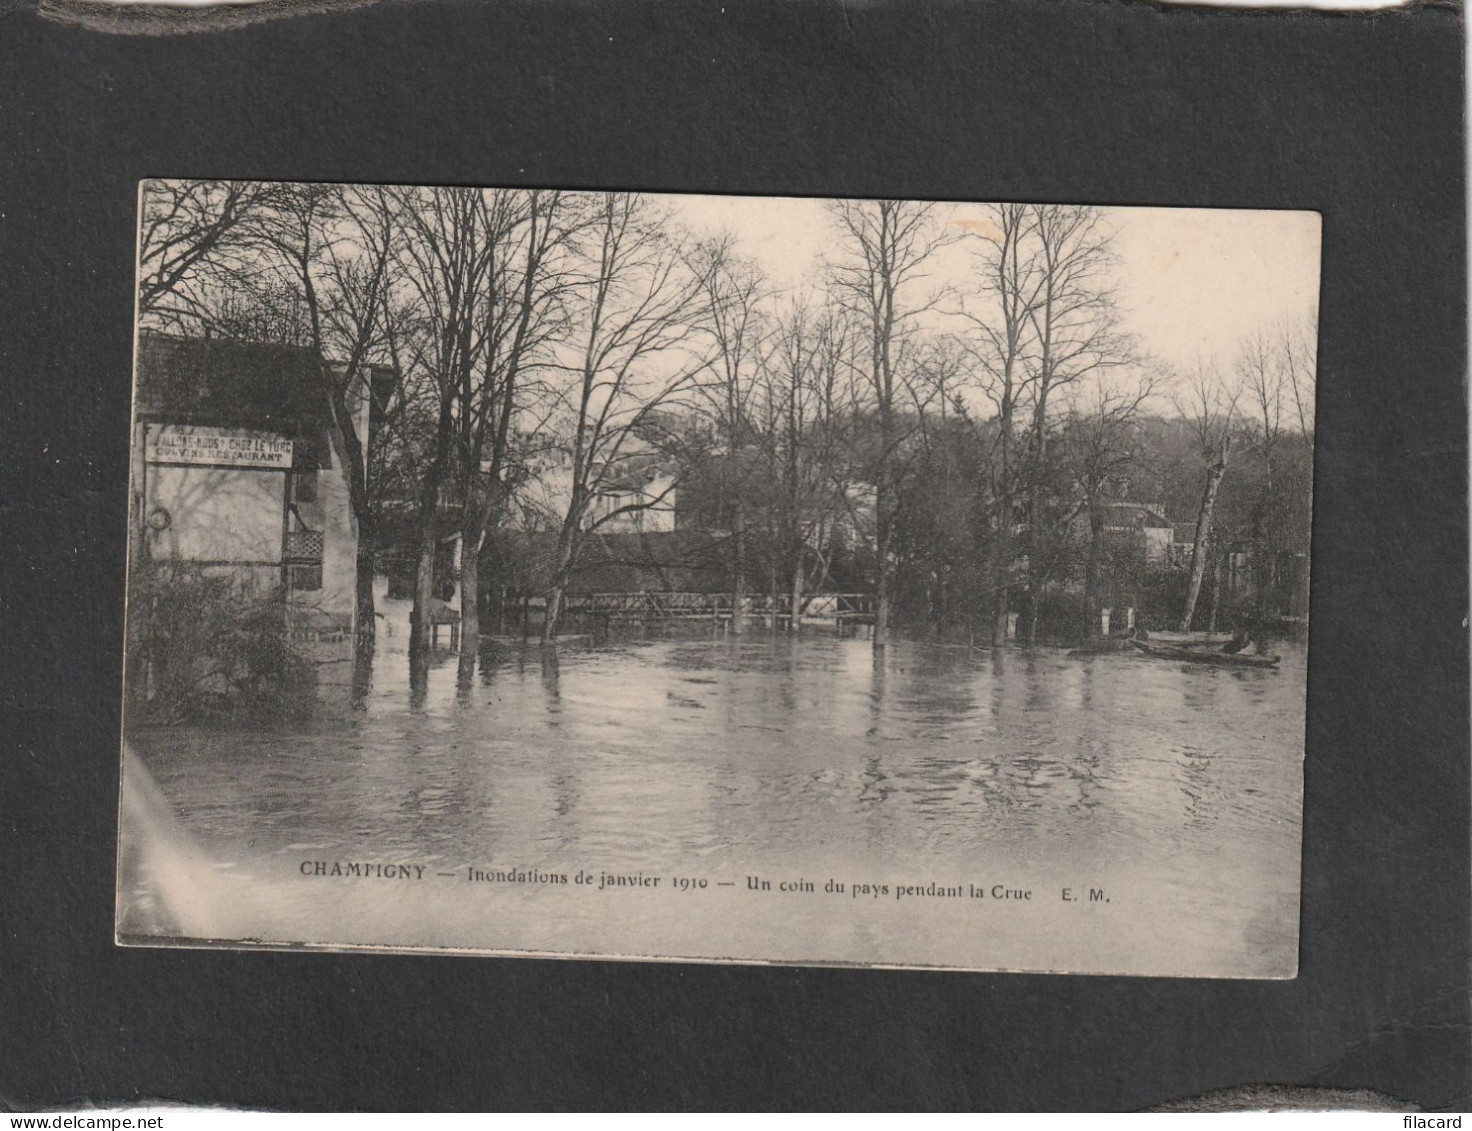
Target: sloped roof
1146	514
208	381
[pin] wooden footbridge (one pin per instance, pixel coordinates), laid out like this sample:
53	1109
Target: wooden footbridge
819	610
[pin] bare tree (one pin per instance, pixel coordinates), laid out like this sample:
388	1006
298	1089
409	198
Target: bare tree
810	412
877	275
635	311
1102	446
529	234
1298	342
1209	409
335	247
734	290
446	257
192	233
1075	335
998	316
1262	374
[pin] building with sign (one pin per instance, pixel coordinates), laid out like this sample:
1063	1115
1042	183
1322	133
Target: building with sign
236	470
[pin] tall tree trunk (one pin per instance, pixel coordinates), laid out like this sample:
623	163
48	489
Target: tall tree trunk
1093	598
365	627
882	601
1034	560
1262	563
1216	587
552	613
884	489
421	632
882	521
773	596
418	680
1200	549
1258	565
421	628
421	615
795	624
362	684
738	581
1003	547
1002	575
566	548
469	601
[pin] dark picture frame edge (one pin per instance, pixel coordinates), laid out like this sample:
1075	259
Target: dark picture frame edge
1357	117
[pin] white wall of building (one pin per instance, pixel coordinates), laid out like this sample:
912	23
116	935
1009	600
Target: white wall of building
210	514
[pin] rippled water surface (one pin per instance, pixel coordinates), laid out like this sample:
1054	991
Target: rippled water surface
1170	793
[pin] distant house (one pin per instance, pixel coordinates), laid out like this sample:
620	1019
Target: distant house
1145	521
637	495
639	498
1142	527
1183	544
234	469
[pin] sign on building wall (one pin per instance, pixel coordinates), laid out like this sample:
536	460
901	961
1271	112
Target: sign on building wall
199	445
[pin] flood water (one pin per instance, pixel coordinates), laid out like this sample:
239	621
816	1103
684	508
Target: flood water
1166	799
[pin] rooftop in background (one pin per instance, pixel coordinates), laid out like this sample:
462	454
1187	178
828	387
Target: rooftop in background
1136	515
233	384
229	384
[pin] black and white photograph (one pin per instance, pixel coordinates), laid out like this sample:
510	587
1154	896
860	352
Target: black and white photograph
601	574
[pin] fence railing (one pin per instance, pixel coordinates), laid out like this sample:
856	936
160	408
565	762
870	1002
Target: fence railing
656	605
304	546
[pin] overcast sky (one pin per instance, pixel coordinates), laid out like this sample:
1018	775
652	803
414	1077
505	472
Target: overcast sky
1192	281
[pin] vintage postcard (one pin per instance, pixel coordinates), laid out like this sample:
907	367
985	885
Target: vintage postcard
595	574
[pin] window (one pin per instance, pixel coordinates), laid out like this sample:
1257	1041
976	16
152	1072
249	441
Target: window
305	578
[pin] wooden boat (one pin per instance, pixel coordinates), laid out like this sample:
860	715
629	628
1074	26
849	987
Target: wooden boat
1188	639
1206	656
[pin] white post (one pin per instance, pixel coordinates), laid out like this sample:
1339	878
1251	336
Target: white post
1104	621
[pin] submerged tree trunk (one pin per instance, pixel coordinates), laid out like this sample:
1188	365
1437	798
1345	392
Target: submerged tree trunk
421	616
882	545
772	596
469	603
1002	572
1034	562
1093	597
1201	547
1003	547
881	613
566	551
1216	586
365	626
552	613
365	630
363	648
421	632
738	581
795	624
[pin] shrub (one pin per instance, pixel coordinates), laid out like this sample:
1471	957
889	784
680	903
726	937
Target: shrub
210	644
